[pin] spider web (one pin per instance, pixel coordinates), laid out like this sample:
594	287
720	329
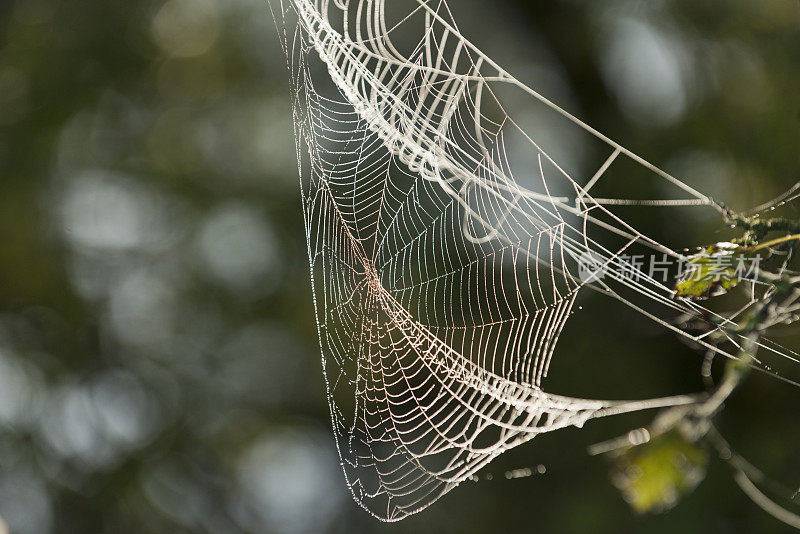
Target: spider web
444	265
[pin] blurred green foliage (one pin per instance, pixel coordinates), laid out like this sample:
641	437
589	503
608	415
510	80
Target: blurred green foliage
654	476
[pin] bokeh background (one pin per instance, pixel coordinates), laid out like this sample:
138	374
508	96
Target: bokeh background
159	370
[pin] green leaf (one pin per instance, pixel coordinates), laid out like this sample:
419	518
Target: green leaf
654	476
709	273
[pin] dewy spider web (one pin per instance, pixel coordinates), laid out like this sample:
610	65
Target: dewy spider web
442	281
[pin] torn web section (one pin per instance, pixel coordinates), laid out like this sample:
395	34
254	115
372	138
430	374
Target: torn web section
557	171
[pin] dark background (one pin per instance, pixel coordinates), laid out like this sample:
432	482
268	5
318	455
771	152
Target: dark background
159	370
